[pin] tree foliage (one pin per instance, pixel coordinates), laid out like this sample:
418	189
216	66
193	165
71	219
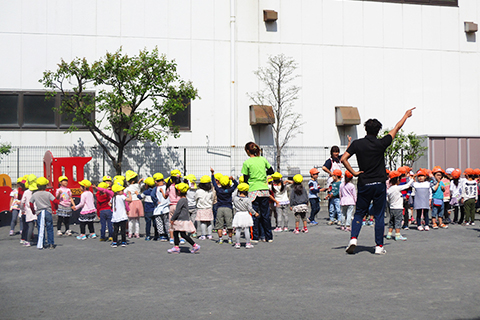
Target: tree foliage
280	93
5	149
405	147
134	100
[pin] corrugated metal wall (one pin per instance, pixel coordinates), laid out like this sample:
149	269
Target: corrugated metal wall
458	152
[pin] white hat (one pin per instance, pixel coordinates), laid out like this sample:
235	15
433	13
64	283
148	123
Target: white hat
449	170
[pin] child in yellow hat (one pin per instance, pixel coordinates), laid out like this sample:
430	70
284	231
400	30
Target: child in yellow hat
243	215
88	212
41	199
65	207
136	207
204	204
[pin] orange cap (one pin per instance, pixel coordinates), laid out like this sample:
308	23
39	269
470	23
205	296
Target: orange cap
476	172
314	171
337	172
394	174
421	172
403	170
348	174
468	172
456	173
437	169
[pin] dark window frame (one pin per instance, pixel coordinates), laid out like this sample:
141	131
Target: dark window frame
445	3
187	112
57	124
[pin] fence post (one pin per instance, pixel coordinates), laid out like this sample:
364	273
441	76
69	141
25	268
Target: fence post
184	161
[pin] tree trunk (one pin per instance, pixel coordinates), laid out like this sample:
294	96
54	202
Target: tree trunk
118	163
278	158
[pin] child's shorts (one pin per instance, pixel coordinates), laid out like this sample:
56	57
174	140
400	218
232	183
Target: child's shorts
300	212
224	217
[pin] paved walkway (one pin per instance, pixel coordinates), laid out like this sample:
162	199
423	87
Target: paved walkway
433	275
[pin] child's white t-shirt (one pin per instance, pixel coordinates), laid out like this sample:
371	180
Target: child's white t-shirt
132	188
119	211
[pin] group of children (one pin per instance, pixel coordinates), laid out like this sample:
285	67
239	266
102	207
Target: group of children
177	207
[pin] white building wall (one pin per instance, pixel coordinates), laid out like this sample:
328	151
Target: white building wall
379	57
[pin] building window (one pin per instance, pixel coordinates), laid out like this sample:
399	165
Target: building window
30	110
450	3
182	118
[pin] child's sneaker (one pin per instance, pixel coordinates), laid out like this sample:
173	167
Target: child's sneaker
230	241
400	238
68	232
330	222
137	236
148	238
351	246
472	223
342	228
92	236
420	228
12	233
313	222
305	230
110	239
348	229
194	235
172	242
388	237
296	231
380	250
182	241
59	233
220	241
22	241
124	244
82	237
249	246
370	223
174	250
202	238
427	228
113	245
103	239
443	226
27	244
163	239
237	245
277	229
130	236
285	229
195	248
435	226
209	237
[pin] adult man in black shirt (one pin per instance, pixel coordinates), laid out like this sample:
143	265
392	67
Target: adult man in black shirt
371	178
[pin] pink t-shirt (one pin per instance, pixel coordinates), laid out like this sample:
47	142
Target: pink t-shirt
172	195
65	196
86	203
348	194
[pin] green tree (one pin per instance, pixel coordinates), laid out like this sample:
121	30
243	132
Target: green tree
134	101
407	145
281	95
415	149
5	149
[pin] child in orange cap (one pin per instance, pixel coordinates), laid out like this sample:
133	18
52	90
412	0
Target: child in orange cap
334	199
422	198
348	199
437	199
395	202
313	198
469	197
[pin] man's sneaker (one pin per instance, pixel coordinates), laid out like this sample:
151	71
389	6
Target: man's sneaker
172	242
351	246
305	230
27	244
237	245
443	226
82	237
313	222
296	231
427	228
380	250
174	250
420	228
202	238
285	229
68	232
113	245
249	246
59	233
277	229
182	241
388	237
230	241
209	237
220	241
254	241
124	244
270	240
103	239
405	228
195	248
92	236
472	223
110	239
53	246
400	238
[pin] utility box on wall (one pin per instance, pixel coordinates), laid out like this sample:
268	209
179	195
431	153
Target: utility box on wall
346	116
261	115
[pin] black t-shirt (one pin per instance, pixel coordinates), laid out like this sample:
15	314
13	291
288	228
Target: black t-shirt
370	157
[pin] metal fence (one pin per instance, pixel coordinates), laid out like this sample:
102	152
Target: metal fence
147	160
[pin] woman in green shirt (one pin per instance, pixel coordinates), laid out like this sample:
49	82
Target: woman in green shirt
255	170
